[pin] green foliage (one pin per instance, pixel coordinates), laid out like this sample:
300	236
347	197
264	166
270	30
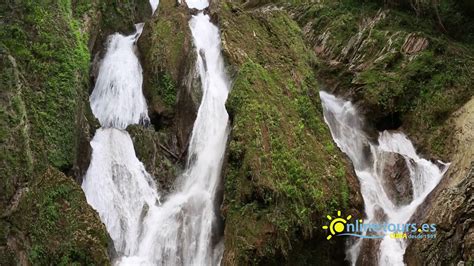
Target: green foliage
47	44
373	66
167	90
280	176
60	225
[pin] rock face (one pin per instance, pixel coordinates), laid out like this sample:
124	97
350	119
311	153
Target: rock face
46	126
368	254
397	182
53	224
393	67
414	44
284	173
451	204
173	92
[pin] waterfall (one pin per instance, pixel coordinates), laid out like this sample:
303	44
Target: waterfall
145	231
117	99
369	160
180	232
116	183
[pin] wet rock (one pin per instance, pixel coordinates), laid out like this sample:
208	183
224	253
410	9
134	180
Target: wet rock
369	250
171	83
380	216
396	179
154	150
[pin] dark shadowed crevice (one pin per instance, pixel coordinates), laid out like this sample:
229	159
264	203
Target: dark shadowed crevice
390	122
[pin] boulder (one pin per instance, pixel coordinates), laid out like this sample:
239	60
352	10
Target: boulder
396	178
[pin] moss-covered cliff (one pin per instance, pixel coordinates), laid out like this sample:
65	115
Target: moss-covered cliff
45	64
284	173
408	65
400	68
45	127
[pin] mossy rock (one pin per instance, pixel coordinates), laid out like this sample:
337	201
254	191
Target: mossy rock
284	172
171	83
122	15
44	89
60	228
165	46
52	56
156	152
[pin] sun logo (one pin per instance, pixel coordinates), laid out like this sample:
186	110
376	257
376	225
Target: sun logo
337	225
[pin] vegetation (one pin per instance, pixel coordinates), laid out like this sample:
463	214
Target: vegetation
57	63
394	66
45	82
165	44
60	225
283	174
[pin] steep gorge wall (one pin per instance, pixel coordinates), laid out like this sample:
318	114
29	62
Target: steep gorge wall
284	173
46	125
408	72
450	205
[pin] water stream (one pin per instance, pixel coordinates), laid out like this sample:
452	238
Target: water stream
181	229
369	160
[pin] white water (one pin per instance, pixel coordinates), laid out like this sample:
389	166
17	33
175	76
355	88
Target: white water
198	4
368	159
154	5
117	100
116	183
118	187
179	231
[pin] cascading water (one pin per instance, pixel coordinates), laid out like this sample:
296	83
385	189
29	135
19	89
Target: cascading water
180	231
369	159
117	100
116	183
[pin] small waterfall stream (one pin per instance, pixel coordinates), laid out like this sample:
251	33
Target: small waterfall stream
369	160
180	231
145	231
116	183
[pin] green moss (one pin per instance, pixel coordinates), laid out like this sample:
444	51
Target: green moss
61	226
121	15
423	88
47	44
44	80
166	46
166	90
280	175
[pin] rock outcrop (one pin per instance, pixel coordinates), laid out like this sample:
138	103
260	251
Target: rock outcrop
397	183
451	205
46	126
52	225
284	173
173	91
